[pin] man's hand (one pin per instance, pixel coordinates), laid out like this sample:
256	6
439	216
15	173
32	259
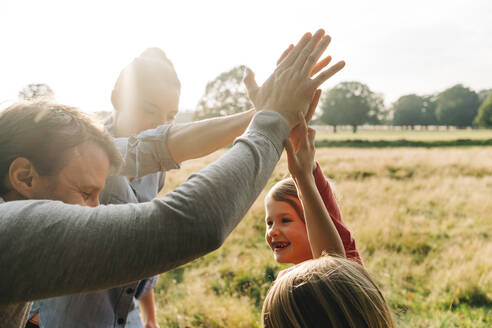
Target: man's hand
290	89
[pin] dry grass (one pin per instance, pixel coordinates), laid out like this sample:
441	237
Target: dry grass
396	133
422	220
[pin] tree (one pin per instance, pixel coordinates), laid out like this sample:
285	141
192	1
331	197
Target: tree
408	110
225	95
483	94
457	106
429	105
484	116
36	91
351	103
411	110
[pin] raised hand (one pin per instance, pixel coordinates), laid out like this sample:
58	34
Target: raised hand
300	160
297	133
290	89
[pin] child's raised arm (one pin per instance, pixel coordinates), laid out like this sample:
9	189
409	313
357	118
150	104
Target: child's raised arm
322	233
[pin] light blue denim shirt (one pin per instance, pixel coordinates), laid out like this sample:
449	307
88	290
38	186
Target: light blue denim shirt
146	158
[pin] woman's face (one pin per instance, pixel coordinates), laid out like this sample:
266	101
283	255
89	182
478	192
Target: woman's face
148	109
286	233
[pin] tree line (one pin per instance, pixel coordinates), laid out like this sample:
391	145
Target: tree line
354	103
347	103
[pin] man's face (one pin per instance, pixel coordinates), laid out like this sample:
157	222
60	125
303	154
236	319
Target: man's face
81	179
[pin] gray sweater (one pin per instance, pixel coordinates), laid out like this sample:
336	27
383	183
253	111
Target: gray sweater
49	248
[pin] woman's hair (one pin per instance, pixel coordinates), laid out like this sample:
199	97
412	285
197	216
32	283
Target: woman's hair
286	191
150	69
326	292
43	133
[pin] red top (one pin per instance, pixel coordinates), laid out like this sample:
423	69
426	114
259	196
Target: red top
331	205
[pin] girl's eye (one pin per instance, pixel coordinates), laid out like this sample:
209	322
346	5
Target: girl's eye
286	220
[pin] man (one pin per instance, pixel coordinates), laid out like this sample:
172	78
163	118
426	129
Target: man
145	96
86	249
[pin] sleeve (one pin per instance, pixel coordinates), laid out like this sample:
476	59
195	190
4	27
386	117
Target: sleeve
79	249
331	205
145	153
145	286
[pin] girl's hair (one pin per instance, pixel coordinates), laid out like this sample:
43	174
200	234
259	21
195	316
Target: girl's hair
326	292
286	191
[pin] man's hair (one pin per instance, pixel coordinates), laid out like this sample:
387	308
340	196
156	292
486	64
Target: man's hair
43	133
326	292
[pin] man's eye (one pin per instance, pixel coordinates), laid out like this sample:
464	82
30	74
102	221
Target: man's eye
269	223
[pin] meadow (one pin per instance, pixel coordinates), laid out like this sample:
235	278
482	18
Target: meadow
433	133
422	219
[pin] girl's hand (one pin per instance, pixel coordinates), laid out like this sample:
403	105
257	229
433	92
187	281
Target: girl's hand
296	133
300	160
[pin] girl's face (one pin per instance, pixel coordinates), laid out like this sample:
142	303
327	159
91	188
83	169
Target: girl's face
286	233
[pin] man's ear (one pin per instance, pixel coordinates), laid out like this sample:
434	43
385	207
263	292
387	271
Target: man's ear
23	178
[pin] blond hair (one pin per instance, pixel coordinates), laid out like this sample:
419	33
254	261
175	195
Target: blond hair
326	292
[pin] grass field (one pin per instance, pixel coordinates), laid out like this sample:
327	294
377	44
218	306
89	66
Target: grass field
325	132
422	219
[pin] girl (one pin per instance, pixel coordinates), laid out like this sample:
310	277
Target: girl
304	222
302	216
326	292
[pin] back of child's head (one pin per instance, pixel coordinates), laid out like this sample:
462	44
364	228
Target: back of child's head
326	292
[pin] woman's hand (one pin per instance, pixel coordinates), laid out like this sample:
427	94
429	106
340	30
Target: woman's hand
300	160
151	325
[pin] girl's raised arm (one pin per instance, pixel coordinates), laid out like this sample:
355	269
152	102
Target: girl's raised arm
322	233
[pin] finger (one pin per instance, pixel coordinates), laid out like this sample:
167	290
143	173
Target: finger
291	57
303	127
320	65
289	149
311	135
315	55
325	75
313	105
284	54
291	157
305	59
249	81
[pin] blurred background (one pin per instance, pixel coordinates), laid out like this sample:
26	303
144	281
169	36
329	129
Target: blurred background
404	132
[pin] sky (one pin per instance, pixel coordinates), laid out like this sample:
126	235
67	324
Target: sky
395	47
